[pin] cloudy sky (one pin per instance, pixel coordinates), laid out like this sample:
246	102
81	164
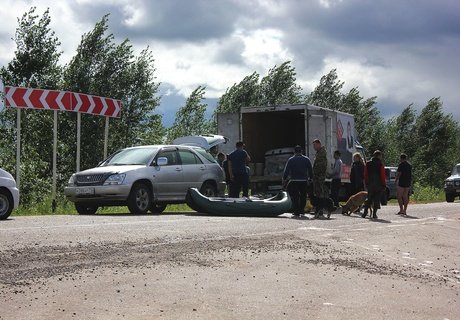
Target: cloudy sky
402	51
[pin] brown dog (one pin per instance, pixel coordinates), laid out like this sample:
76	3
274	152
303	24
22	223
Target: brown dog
354	202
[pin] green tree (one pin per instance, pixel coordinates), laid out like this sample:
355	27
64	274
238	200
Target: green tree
100	67
436	136
35	65
368	122
279	86
243	94
190	119
328	93
400	136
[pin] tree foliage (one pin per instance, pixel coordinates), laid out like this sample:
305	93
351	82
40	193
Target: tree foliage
279	86
436	136
190	119
243	94
104	68
100	67
35	64
368	122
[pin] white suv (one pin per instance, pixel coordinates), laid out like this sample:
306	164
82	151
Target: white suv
9	194
147	178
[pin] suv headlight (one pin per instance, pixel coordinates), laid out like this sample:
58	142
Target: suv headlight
72	179
115	179
449	183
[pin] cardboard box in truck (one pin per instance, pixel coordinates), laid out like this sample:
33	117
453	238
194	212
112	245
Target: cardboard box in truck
271	132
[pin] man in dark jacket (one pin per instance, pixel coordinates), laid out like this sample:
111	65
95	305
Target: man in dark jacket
238	173
297	173
374	175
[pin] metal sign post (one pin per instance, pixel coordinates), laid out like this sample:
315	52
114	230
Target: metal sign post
18	147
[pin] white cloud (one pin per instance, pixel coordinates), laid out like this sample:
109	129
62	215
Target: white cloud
221	42
264	47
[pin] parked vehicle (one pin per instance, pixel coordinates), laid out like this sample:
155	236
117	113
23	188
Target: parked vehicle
147	178
270	134
452	184
9	194
391	188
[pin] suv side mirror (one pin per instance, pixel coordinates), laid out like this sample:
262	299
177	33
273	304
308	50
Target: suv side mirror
162	161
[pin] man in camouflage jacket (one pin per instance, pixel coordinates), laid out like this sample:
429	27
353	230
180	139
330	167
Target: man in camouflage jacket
319	169
320	199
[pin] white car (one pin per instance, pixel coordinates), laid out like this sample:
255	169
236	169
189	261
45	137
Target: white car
9	194
147	178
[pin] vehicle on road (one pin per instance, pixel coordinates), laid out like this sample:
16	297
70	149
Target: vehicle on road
391	188
452	184
271	132
9	194
148	178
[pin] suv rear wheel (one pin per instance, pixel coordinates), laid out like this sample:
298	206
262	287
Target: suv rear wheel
140	199
85	209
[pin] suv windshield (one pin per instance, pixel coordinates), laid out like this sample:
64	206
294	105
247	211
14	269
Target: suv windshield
456	170
132	156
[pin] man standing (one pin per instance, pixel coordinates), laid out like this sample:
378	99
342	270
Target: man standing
374	175
239	176
321	193
403	181
336	178
299	171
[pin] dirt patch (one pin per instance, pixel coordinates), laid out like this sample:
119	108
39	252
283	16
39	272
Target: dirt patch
32	264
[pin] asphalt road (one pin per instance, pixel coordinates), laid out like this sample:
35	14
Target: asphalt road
192	266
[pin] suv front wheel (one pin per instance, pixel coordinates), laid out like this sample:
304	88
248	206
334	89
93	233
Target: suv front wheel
450	197
6	204
140	199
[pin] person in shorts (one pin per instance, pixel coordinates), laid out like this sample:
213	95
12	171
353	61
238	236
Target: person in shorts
403	182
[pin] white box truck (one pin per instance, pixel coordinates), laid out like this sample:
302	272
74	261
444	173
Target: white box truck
271	132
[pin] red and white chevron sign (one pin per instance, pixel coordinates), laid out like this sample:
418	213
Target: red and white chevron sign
96	105
18	97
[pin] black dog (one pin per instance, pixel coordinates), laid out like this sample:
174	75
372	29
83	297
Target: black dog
322	204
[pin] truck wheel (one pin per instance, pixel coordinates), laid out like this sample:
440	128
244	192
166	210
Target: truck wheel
85	209
139	201
157	208
208	189
450	197
6	204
